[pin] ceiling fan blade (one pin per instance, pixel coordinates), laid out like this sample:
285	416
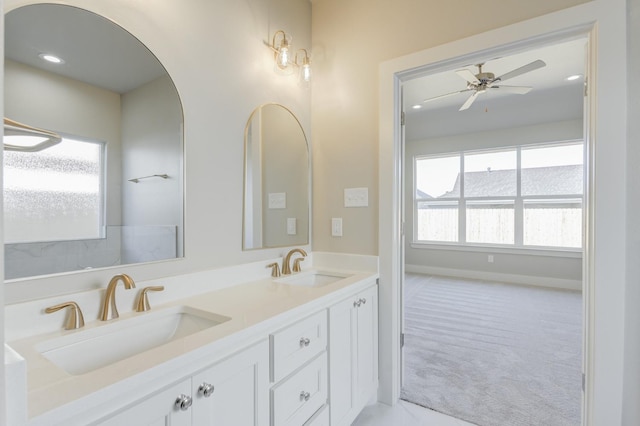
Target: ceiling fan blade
520	90
446	95
468	76
522	70
469	101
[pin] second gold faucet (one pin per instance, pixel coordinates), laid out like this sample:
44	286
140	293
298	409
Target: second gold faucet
286	262
109	302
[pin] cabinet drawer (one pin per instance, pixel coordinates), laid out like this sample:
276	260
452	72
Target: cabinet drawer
320	418
293	346
295	400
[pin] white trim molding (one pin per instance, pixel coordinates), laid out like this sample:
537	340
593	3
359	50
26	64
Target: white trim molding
550	282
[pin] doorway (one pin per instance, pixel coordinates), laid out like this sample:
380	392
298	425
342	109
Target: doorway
494	194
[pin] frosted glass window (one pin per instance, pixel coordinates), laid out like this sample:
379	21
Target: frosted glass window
55	194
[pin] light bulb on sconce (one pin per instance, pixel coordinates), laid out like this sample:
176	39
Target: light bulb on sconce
304	77
281	46
285	61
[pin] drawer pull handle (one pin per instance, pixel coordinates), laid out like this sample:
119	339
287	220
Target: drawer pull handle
183	402
304	341
206	389
363	300
304	396
357	303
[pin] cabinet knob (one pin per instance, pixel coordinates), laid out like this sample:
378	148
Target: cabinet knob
357	303
363	300
304	396
304	341
183	402
206	389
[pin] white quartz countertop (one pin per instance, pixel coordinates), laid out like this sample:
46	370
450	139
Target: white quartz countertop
255	309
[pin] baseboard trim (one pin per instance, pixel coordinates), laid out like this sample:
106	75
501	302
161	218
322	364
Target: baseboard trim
559	283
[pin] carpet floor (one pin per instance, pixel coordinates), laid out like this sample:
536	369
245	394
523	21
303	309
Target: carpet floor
493	354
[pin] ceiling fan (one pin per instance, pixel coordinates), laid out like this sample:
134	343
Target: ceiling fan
483	81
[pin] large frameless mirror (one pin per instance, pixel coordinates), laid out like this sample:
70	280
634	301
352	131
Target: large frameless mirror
276	180
111	191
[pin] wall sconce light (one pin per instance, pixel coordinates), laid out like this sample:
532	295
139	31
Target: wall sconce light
285	61
304	77
281	46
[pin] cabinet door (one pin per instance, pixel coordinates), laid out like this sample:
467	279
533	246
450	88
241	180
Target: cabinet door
367	346
342	361
158	409
239	390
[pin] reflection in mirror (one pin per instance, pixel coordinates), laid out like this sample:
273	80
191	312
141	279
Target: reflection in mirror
276	180
77	205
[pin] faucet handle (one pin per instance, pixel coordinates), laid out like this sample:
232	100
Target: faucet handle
296	264
275	269
74	320
143	299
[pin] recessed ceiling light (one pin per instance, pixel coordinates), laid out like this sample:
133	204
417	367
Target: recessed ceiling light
51	58
416	106
574	77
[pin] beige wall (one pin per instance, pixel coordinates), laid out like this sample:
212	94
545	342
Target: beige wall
350	39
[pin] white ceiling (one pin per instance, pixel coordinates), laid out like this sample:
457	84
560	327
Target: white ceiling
553	98
95	50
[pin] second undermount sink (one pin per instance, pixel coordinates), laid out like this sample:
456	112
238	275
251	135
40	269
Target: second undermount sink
87	350
314	278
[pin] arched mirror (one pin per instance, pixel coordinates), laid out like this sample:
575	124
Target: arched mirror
111	192
276	180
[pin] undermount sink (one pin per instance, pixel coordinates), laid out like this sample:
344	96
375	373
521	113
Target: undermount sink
87	350
314	278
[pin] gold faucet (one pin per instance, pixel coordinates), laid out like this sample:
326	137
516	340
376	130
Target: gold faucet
74	319
110	295
143	299
286	262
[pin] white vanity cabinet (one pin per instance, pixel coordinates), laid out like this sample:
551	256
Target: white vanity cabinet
233	392
155	410
230	392
353	355
299	371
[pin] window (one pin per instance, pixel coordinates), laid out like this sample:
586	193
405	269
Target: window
55	194
526	196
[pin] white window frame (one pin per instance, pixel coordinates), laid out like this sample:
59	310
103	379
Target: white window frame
518	201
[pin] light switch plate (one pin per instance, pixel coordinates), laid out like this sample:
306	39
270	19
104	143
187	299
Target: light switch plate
356	197
291	226
336	227
277	200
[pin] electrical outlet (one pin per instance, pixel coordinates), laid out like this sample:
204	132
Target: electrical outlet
490	258
336	227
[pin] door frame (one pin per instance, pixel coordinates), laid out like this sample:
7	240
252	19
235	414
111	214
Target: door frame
604	23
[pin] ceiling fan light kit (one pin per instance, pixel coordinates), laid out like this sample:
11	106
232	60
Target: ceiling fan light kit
482	81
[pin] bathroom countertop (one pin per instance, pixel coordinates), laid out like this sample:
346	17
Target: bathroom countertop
255	308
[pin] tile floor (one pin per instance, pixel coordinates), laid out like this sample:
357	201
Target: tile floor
404	414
